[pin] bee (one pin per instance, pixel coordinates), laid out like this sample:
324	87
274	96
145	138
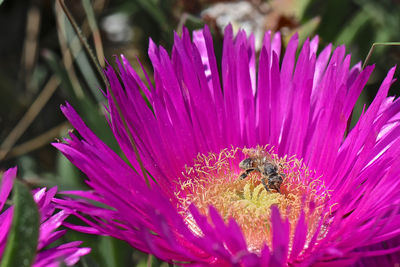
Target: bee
261	162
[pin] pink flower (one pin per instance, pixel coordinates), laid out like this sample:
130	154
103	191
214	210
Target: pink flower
49	222
340	196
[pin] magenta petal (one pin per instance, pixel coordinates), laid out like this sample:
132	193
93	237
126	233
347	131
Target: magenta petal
231	235
280	237
6	185
5	222
49	226
299	237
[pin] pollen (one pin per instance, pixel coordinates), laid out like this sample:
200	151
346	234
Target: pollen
214	180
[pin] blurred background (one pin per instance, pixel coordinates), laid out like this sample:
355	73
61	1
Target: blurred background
43	64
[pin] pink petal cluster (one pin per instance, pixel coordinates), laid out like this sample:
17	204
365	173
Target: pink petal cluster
301	107
49	222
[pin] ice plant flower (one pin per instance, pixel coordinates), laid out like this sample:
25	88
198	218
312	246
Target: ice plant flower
47	254
182	199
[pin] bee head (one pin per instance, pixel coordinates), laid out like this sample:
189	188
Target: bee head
275	182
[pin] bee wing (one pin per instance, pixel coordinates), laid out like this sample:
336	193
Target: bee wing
256	153
267	157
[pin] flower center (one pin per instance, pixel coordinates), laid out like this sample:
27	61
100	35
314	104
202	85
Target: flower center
232	182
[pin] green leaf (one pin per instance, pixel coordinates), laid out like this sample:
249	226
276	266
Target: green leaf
152	261
348	34
308	29
301	7
68	176
23	237
83	63
152	7
115	252
334	15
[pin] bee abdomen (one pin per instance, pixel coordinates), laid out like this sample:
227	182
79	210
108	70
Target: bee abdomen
269	169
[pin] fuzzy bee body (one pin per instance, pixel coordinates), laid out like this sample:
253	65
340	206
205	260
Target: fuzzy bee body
266	167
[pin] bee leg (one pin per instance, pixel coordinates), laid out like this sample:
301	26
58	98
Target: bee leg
277	189
274	186
245	173
265	184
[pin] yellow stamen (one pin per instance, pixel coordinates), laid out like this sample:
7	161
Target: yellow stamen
213	180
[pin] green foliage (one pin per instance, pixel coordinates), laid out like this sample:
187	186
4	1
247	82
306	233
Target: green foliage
23	237
358	24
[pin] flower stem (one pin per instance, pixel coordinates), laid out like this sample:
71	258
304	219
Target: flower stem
373	47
